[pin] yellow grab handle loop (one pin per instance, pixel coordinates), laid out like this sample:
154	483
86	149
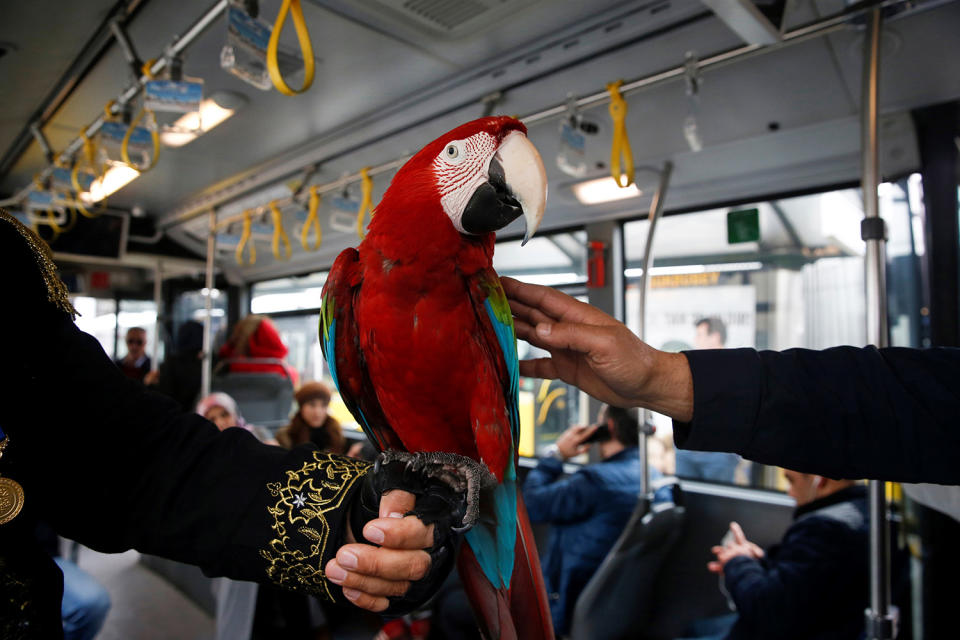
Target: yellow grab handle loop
90	155
548	402
621	143
155	136
245	239
313	220
147	68
279	234
366	199
108	109
51	220
306	48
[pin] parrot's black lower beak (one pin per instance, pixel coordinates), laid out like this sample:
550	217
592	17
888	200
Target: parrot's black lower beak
492	206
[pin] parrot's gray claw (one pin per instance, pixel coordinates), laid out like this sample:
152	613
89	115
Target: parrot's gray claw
460	474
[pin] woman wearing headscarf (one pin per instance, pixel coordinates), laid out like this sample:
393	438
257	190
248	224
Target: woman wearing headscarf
222	410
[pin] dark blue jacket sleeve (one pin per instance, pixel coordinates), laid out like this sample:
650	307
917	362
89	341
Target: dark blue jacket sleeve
814	569
550	499
845	412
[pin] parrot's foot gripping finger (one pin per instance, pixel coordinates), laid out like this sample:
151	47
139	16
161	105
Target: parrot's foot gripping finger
449	485
447	489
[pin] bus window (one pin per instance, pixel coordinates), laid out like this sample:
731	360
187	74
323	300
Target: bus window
547	407
791	276
287	294
98	317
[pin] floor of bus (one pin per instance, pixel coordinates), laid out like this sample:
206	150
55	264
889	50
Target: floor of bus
145	606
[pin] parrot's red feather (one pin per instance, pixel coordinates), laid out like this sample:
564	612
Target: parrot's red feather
356	390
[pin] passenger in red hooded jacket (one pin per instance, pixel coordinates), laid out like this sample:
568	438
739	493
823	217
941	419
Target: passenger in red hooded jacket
255	337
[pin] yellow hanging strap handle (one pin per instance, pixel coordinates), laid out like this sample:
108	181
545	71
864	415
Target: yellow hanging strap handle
366	199
69	204
147	68
90	156
154	134
246	239
313	220
51	220
279	234
306	48
621	143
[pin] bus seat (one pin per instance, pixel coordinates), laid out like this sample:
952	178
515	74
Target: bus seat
619	600
264	399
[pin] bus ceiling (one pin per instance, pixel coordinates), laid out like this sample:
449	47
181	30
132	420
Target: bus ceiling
772	89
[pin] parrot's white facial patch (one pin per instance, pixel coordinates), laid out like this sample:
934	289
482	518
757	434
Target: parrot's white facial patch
460	169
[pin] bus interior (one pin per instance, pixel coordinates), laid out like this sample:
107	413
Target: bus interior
751	142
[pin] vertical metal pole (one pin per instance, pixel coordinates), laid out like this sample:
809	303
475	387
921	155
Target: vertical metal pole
206	371
158	304
656	208
880	622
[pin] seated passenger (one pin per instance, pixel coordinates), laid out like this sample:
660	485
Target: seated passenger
136	364
587	510
313	422
221	410
256	337
814	584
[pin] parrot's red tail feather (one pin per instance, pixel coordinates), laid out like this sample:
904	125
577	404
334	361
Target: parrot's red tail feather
528	593
490	605
520	612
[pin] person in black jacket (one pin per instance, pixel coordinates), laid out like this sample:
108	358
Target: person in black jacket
179	374
129	469
846	412
810	586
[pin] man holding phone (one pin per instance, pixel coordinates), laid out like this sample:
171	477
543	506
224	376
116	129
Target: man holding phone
587	510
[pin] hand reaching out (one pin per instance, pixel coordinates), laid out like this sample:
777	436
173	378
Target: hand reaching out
593	351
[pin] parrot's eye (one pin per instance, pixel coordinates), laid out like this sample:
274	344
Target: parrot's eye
453	153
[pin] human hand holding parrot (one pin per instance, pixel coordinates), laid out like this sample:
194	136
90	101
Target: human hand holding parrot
419	338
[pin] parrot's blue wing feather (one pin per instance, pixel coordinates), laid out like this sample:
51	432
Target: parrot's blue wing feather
498	311
494	548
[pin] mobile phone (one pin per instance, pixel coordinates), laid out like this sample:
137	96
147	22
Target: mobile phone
602	434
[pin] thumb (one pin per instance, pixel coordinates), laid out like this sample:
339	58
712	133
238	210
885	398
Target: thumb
582	338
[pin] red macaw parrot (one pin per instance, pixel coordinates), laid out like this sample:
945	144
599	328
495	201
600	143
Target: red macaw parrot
419	338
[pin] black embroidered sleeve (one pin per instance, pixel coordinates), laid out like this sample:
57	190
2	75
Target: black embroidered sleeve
308	511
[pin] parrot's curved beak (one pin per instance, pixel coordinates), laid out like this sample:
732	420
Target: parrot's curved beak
517	184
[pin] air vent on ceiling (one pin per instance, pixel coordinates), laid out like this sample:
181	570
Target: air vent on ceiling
454	17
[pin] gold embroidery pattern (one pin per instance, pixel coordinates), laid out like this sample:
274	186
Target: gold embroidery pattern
56	290
300	524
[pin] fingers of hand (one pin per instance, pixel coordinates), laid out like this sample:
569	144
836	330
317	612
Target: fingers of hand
396	501
553	303
738	534
383	562
539	368
582	338
528	314
366	601
370	585
399	533
714	567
